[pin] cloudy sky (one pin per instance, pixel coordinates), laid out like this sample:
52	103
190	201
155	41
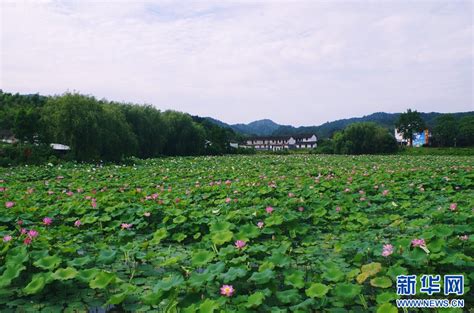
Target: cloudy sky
296	62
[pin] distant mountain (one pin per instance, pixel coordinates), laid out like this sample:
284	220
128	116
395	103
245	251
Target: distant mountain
263	127
268	127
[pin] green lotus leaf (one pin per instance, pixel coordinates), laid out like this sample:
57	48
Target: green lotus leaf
248	232
371	269
102	280
107	256
159	235
442	230
169	282
317	290
153	298
201	257
437	245
17	255
255	299
65	273
215	268
11	272
221	237
262	277
381	282
48	262
87	275
233	273
208	306
170	261
219	226
288	296
179	219
386	297
346	291
280	259
295	279
79	262
387	308
395	270
198	279
333	274
274	220
179	237
37	283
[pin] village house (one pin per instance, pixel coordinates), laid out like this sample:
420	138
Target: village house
276	143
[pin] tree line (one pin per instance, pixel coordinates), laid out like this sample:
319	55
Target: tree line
109	131
371	138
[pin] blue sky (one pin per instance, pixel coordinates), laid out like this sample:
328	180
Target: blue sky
296	62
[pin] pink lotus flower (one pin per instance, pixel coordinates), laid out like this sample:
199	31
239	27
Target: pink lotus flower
227	290
27	241
269	209
227	200
147	214
347	190
260	224
453	206
418	242
94	203
7	238
70	193
60	177
338	209
361	192
301	209
77	223
50	192
387	250
240	244
19	222
2	189
385	192
9	204
23	231
291	195
32	233
47	221
126	226
464	237
362	199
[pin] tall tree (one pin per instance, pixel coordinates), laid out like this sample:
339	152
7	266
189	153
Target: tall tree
466	131
446	130
409	123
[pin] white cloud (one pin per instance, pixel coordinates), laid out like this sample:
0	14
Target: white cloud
294	62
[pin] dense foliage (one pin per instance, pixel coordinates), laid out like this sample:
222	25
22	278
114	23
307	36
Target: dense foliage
102	130
299	233
364	138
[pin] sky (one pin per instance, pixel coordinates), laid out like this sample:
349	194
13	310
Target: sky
295	62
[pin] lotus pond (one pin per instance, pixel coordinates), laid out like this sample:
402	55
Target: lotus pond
297	233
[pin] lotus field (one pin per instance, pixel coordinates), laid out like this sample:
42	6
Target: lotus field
296	233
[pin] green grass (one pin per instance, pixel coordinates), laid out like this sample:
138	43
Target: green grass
469	151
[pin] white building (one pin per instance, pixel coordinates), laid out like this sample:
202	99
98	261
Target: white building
275	143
